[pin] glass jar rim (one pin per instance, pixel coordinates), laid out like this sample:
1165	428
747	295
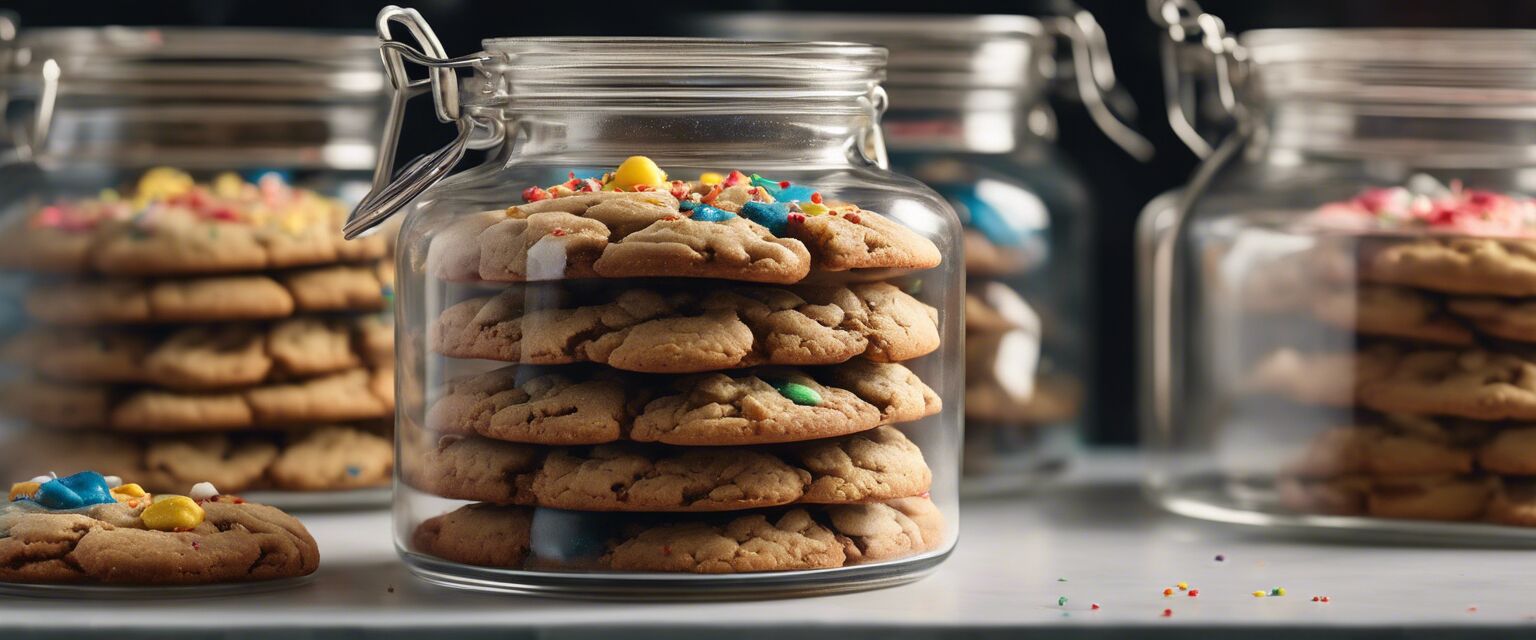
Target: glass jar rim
660	73
1471	67
260	64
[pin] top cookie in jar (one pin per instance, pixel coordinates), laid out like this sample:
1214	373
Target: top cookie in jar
167	224
636	221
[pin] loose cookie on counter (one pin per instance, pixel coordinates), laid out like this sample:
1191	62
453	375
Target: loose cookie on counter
89	529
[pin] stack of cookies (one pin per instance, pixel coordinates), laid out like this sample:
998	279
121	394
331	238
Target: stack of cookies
1420	352
184	332
684	400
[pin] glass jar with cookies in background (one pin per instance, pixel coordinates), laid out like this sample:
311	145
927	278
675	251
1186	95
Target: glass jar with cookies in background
191	310
680	335
968	117
1341	300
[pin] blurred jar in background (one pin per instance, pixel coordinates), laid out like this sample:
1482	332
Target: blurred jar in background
1340	301
191	310
968	116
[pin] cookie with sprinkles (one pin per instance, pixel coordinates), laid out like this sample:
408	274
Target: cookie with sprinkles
91	529
752	406
799	538
635	222
168	224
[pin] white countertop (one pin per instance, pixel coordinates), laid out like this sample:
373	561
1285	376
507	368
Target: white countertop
1091	529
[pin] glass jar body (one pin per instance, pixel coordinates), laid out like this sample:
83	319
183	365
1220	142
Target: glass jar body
1302	327
1026	215
717	391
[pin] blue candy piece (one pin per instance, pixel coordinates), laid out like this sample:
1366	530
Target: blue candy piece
791	193
89	486
706	213
255	175
570	536
775	215
54	495
687	205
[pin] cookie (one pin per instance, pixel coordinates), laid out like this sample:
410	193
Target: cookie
1429	498
1051	399
331	459
1343	496
797	539
1511	451
1497	317
1392	312
658	331
356	394
207	356
187	229
1513	503
1469	383
1459	265
859	239
984	258
994	307
1405	447
176	463
1327	379
747	407
233	541
881	464
209	299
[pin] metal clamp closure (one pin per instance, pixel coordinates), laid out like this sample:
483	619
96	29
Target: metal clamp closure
1095	75
391	190
1197	44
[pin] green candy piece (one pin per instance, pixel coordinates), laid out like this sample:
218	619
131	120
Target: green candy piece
800	394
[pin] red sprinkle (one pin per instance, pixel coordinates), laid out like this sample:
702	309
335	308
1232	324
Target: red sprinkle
1167	613
534	194
783	184
1167	592
557	232
669	218
735	178
816	197
852	217
1194	593
679	189
1094	606
196	546
796	218
1325	598
1316	599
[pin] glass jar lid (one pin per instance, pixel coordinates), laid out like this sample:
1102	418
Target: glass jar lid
1422	66
206	64
997	61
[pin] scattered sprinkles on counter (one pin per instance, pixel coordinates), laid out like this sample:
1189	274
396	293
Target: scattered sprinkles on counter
1194	593
774	204
1167	613
1183	586
269	201
1277	591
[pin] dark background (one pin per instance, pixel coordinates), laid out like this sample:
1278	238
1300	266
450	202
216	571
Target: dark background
1121	185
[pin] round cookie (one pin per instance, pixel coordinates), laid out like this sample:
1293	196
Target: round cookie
1498	317
878	465
113	543
1470	383
1459	265
1511	451
1429	498
1327	379
1390	312
686	332
332	458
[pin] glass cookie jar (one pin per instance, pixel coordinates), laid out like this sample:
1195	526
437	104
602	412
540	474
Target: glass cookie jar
968	117
174	211
1339	303
679	335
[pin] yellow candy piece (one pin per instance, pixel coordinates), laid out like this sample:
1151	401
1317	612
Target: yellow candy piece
710	178
294	223
813	209
127	492
24	490
228	185
638	170
172	513
163	182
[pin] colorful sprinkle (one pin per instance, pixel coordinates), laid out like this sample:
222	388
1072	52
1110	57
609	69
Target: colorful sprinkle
1221	558
172	513
1183	586
23	490
203	491
1194	593
354	470
852	217
1258	594
1094	606
1061	601
535	194
1167	613
800	394
707	213
813	209
775	216
710	178
1277	591
1167	592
